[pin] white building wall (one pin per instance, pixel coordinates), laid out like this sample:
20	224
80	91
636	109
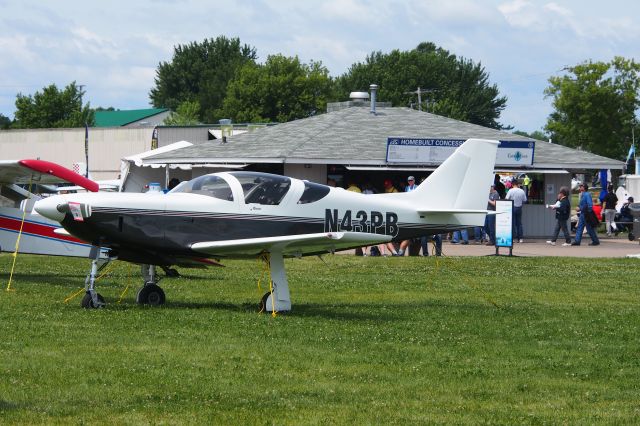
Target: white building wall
312	172
107	146
537	220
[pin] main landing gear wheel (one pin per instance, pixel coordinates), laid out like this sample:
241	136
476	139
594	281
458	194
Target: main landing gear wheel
87	301
151	294
263	302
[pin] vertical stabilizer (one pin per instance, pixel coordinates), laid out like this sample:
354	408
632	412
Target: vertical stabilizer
462	181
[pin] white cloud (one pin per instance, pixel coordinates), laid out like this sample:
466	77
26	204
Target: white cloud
88	42
113	48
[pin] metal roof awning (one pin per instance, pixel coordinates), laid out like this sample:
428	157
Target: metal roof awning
432	168
541	171
220	166
391	168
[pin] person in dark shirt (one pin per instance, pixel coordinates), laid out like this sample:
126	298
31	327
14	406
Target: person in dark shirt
502	191
609	208
563	211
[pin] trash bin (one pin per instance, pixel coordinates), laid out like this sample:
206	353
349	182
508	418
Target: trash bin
634	208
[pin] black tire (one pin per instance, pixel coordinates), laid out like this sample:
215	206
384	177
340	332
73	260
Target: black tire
87	302
263	302
631	236
151	295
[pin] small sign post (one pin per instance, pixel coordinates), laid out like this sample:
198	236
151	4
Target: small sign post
504	225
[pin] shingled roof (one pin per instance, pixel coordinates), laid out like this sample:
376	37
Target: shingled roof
355	136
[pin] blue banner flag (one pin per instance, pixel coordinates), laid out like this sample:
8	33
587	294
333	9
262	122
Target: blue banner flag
632	152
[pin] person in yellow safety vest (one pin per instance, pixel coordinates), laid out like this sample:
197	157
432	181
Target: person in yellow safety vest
525	183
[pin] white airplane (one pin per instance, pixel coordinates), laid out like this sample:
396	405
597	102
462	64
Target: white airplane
249	214
37	232
22	183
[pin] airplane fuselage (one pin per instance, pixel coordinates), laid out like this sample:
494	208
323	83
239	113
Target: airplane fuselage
168	224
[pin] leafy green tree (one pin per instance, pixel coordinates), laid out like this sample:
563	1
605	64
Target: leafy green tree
185	115
53	108
537	134
282	89
5	122
454	87
200	72
594	106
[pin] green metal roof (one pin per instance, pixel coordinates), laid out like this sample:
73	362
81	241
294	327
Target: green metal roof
122	118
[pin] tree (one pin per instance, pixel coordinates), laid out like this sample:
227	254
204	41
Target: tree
595	106
185	115
454	87
200	72
5	122
282	89
537	134
53	108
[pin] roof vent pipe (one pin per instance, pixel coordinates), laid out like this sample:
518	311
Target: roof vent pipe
373	88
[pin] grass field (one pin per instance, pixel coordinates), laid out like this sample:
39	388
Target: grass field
369	341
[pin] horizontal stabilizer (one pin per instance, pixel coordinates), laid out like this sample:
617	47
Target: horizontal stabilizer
290	245
454	211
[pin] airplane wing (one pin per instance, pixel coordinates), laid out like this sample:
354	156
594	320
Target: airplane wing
41	172
290	245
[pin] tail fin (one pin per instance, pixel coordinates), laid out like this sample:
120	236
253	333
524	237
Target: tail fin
462	181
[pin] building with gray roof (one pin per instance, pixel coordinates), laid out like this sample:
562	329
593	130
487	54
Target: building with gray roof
350	143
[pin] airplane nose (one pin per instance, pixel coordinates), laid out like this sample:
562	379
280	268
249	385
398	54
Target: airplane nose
48	207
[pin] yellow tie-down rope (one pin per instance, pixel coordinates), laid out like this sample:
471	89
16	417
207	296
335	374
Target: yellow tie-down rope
266	258
15	252
102	274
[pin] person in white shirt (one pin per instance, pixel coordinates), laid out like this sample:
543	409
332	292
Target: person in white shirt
519	198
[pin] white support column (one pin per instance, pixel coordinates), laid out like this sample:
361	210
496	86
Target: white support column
282	299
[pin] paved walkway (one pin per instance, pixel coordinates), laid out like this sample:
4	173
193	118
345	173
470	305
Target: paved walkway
609	247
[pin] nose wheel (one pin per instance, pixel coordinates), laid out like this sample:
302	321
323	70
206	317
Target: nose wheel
88	303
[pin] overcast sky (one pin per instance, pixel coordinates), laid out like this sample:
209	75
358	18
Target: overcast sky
113	48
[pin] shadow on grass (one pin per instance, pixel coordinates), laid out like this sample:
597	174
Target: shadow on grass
6	405
361	311
45	278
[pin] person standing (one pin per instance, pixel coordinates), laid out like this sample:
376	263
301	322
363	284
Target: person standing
490	219
411	185
609	208
519	198
388	187
526	183
585	204
563	211
502	191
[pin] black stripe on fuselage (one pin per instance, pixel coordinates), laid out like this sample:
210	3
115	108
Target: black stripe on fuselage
174	231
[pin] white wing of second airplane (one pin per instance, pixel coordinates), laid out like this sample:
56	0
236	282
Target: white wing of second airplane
290	245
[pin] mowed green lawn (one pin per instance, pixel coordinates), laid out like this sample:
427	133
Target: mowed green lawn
369	341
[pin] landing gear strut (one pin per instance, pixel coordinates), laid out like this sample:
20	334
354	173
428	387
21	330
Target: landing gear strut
279	299
150	293
92	299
